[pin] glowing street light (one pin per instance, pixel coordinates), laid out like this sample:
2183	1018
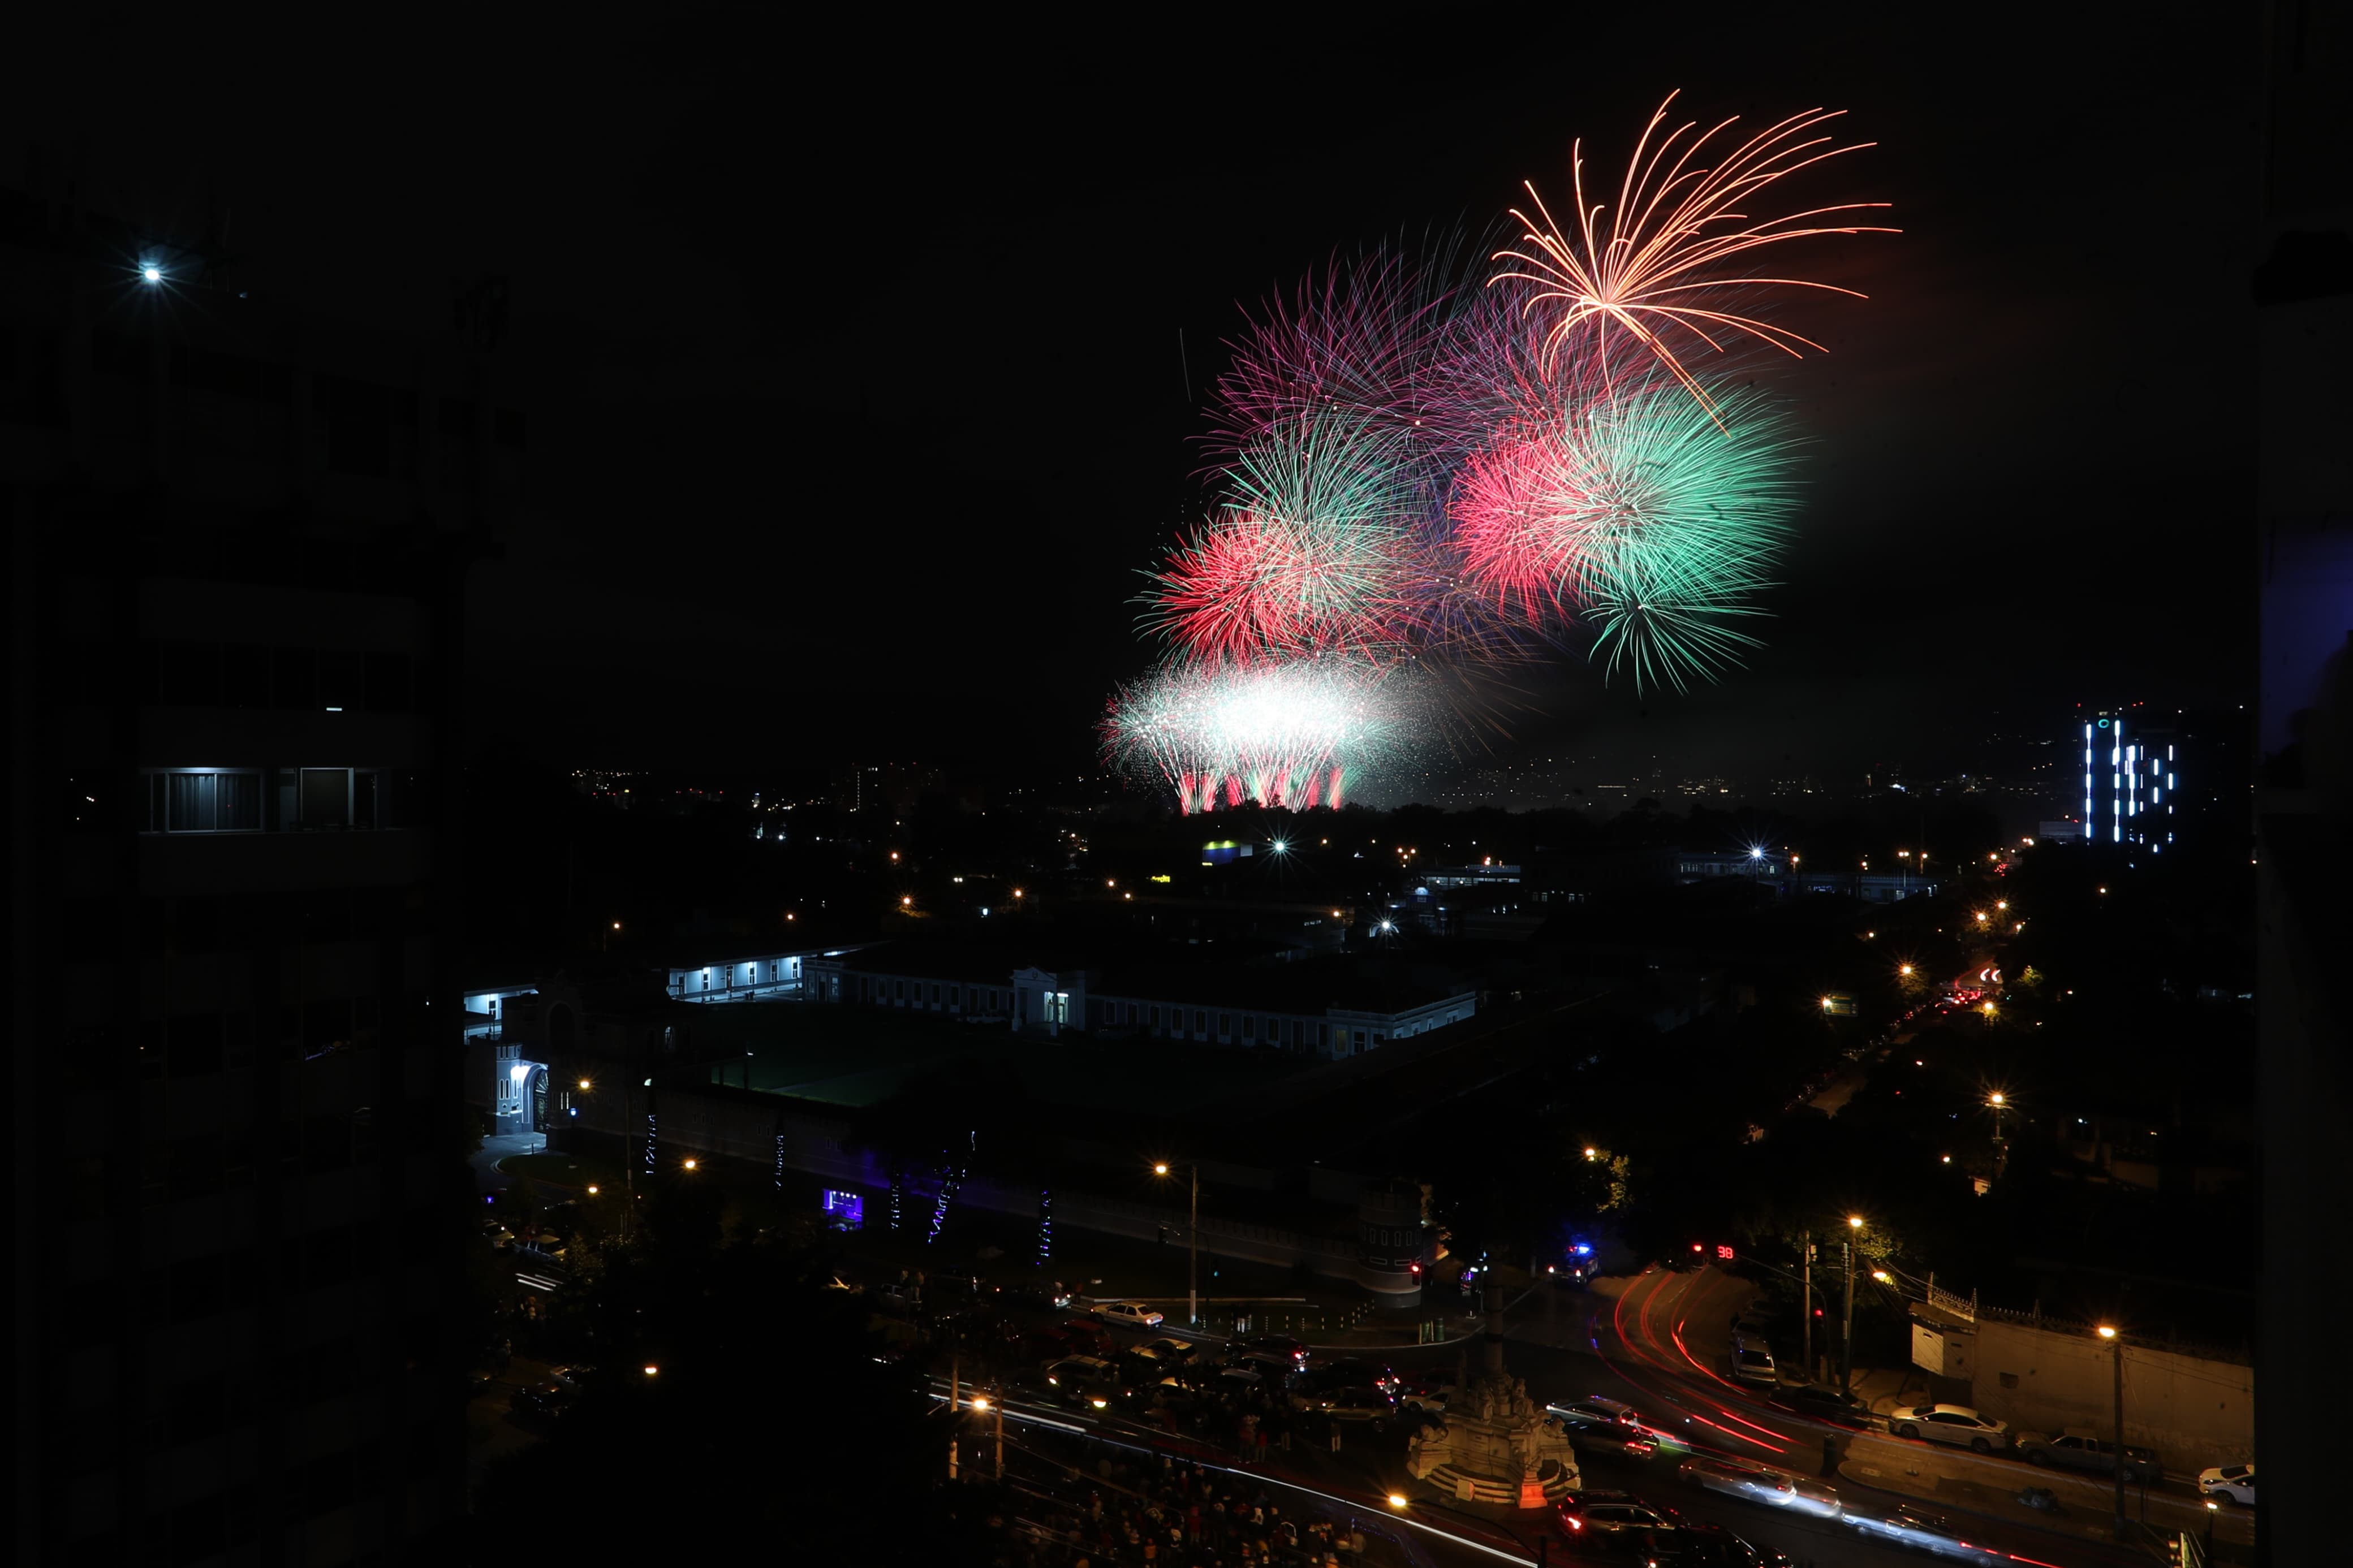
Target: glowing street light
652	1370
1396	1499
1883	1276
152	273
690	1165
592	1189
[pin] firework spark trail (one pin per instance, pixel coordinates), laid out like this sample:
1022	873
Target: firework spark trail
1668	235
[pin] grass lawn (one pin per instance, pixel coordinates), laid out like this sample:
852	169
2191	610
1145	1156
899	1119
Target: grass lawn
857	1055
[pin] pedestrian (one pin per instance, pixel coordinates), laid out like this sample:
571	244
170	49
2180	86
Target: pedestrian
1830	1457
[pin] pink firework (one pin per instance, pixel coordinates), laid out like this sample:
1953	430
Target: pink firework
1646	267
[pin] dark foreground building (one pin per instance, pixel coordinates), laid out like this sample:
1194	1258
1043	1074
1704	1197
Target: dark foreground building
237	539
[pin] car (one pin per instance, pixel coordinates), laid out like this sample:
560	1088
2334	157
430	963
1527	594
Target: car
1830	1406
1700	1546
1757	1483
549	1400
1352	1371
574	1376
1922	1531
1085	1380
1414	1397
1051	1294
1271	1344
1368	1406
1595	1414
1135	1315
1584	1515
1088	1335
1176	1352
1270	1367
2236	1482
1950	1424
1752	1361
2075	1449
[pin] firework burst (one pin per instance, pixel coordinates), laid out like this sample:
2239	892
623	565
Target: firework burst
1630	487
1646	266
1293	735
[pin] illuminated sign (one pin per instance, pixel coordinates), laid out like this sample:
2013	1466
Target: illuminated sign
848	1209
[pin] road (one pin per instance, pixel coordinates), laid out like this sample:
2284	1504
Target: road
1652	1345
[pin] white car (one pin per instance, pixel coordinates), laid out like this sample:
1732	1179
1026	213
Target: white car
1755	1483
1177	1352
1950	1424
2236	1482
1134	1314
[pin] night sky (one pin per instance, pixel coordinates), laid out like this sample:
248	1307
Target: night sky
852	356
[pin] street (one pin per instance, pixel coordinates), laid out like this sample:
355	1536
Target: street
1649	1342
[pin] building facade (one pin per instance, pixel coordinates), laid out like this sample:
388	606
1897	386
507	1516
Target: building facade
1271	1008
2131	776
239	539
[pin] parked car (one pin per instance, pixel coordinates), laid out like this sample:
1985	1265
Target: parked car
1595	1414
1752	1361
549	1400
1272	1344
1176	1352
1922	1531
1828	1406
1417	1398
2075	1450
1756	1483
574	1376
1950	1424
2236	1482
1271	1367
1135	1315
1605	1511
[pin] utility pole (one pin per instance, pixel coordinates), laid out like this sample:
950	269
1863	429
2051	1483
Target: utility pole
1193	1256
955	1408
2117	1346
1806	1296
1000	1412
1846	1339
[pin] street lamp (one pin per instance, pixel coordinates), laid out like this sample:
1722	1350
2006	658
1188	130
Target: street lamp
1192	1246
2117	1347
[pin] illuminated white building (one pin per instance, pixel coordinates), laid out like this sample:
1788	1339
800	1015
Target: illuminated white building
2130	780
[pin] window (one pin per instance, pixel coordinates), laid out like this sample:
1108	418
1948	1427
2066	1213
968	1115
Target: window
1156	1019
1250	1026
1201	1021
188	801
326	797
1131	1014
1225	1024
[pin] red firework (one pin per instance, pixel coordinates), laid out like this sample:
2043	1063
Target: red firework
1513	552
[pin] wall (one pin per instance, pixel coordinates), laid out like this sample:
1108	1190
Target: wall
2192	1411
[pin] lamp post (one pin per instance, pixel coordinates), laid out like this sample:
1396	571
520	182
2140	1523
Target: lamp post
1192	1246
2117	1347
1846	1340
1999	1101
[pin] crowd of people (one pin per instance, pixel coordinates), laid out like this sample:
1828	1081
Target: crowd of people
1171	1511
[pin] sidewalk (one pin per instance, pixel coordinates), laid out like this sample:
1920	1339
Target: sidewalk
1964	1484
